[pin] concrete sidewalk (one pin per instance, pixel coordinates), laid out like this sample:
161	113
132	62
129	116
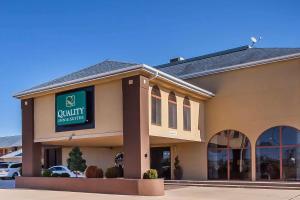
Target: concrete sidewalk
173	193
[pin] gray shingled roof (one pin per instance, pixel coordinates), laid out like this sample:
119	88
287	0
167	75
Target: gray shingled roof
109	68
11	141
181	69
223	59
105	66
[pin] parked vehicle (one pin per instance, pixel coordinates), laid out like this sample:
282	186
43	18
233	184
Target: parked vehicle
60	169
10	170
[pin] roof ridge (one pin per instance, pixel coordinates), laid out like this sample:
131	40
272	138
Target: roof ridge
80	71
92	66
118	61
106	60
276	48
218	53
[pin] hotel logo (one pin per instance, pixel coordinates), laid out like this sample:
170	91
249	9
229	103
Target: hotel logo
70	101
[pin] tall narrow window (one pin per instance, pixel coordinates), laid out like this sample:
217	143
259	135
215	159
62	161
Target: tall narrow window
186	114
172	110
155	106
199	117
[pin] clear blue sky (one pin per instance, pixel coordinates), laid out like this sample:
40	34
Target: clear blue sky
42	40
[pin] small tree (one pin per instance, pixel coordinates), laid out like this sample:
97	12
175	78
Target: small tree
75	161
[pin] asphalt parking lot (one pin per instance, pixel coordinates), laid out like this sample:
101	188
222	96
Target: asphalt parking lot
172	193
7	184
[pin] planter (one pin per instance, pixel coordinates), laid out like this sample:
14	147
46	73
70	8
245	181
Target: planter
150	187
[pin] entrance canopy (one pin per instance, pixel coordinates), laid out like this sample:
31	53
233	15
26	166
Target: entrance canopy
109	141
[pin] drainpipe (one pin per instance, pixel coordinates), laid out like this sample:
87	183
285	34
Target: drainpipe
154	77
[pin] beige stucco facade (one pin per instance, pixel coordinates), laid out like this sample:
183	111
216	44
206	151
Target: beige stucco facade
191	159
97	156
251	100
108	115
163	130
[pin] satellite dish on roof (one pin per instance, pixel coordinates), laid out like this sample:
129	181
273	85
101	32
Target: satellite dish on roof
254	41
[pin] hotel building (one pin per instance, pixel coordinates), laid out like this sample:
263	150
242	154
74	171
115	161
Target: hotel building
229	115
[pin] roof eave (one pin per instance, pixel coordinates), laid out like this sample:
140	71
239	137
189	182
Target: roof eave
179	82
241	66
147	68
77	81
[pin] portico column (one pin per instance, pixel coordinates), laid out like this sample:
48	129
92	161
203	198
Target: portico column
135	126
31	156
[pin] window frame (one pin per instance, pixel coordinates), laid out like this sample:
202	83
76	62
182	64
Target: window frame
187	105
172	102
157	98
227	148
279	146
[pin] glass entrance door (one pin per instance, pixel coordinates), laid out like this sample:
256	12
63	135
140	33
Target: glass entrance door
161	161
52	157
240	162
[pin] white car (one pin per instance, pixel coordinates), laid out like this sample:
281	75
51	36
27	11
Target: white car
60	169
10	170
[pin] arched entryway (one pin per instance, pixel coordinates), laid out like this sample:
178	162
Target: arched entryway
229	156
278	154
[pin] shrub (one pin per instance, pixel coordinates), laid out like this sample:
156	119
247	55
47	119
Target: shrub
47	173
150	174
93	172
178	171
114	172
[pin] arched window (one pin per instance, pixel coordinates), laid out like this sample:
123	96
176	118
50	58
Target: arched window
278	154
229	156
199	117
155	106
172	104
186	114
